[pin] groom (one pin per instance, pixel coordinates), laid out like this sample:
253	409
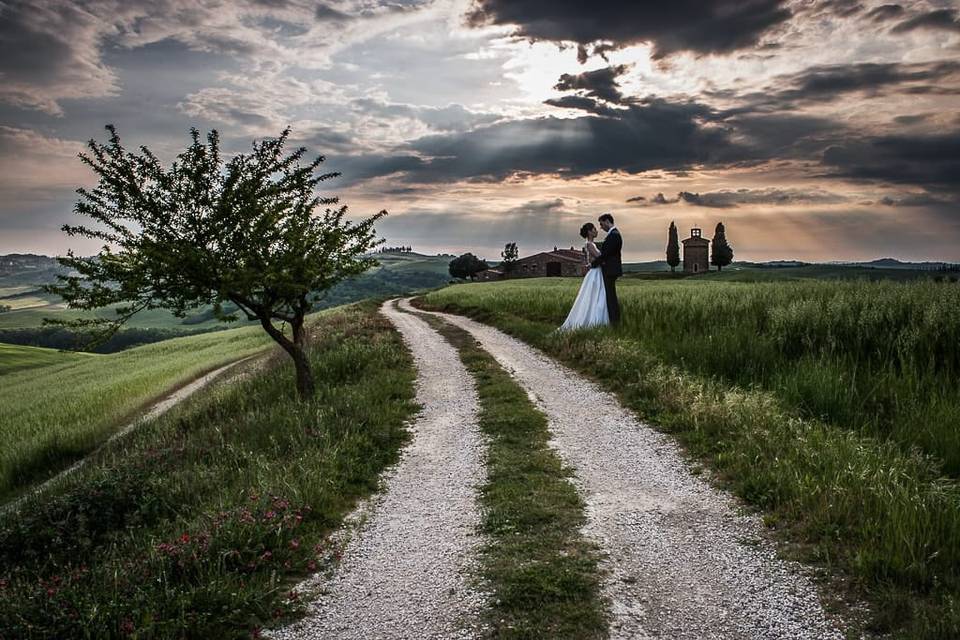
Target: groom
609	261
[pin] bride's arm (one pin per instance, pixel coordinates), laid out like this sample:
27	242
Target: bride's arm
592	250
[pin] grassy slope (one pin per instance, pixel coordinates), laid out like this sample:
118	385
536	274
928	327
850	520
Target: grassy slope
197	524
544	574
15	358
879	513
54	414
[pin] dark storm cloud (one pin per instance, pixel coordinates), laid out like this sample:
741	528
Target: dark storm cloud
941	19
826	83
885	12
912	118
650	133
914	200
601	83
931	161
843	8
727	199
582	103
700	26
654	133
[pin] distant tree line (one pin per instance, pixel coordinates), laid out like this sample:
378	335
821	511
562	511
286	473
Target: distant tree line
70	340
406	249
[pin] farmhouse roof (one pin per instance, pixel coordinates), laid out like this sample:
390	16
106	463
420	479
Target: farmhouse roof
563	254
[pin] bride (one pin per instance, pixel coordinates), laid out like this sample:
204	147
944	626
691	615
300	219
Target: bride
590	307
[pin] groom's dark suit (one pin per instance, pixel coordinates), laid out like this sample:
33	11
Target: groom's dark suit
610	263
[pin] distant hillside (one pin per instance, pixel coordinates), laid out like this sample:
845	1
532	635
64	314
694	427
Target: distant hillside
23	305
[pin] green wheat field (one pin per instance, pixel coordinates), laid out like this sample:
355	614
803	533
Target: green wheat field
833	406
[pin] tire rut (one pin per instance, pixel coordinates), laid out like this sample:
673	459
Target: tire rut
683	560
407	565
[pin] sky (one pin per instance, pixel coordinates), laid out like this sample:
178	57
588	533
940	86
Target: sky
814	130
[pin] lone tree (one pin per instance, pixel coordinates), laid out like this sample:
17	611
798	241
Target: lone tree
467	266
722	254
510	254
673	247
205	232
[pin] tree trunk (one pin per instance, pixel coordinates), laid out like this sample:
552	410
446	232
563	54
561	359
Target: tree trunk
297	351
305	384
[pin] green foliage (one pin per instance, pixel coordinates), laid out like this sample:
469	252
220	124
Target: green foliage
673	247
510	255
832	406
208	232
721	254
467	266
544	574
197	524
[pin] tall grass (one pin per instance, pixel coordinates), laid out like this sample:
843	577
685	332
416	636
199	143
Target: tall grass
198	524
804	417
53	415
881	358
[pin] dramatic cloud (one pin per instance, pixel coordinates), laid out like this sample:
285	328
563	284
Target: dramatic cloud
941	19
915	200
885	12
828	83
456	114
601	83
52	50
700	26
931	161
726	199
653	134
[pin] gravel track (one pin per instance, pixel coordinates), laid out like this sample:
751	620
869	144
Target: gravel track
406	566
683	559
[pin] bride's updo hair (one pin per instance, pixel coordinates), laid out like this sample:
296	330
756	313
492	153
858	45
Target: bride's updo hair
585	229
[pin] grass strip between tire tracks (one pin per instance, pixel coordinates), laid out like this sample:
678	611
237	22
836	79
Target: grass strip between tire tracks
544	574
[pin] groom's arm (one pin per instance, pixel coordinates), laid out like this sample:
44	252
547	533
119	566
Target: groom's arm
607	249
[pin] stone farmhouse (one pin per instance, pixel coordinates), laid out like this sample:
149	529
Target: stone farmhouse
559	262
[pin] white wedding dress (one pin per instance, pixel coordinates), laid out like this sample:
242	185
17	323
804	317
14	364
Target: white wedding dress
590	307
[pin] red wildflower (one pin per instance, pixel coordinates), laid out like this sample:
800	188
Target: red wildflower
185	538
295	543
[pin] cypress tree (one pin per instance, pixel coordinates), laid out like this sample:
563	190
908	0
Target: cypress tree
722	253
673	247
